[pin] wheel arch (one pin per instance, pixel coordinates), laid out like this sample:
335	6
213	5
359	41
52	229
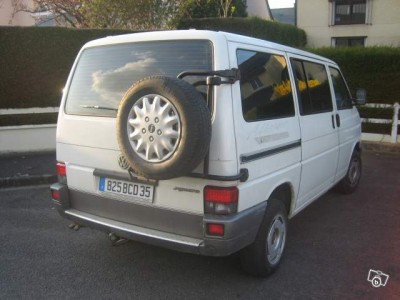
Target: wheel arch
285	193
358	147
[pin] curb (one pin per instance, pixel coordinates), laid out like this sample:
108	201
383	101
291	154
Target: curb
28	180
381	147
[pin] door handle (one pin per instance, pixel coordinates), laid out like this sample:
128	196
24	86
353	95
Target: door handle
333	122
337	120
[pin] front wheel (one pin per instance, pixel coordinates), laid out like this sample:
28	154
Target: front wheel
262	257
350	182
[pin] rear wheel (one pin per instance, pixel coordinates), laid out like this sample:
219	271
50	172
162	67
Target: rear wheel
350	182
262	257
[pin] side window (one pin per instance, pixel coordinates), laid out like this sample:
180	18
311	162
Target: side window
342	95
313	87
265	86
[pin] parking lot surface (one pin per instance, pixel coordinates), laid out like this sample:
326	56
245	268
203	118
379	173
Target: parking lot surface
332	246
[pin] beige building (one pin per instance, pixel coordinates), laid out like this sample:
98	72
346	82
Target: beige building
259	8
350	22
11	16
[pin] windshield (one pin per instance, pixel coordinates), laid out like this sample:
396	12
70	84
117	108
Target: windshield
104	74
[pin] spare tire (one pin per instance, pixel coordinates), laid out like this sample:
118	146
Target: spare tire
163	127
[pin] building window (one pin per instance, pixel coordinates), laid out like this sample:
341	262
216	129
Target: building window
256	83
348	41
350	12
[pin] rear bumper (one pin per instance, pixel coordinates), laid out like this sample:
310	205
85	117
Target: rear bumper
240	229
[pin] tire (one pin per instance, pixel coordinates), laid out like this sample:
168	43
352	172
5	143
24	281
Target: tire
263	257
163	127
350	182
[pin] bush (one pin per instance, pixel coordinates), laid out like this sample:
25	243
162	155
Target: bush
385	113
377	128
35	62
375	112
254	27
376	68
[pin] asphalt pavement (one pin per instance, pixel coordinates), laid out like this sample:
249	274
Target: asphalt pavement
332	246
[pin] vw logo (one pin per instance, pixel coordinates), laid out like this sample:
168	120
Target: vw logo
152	128
123	163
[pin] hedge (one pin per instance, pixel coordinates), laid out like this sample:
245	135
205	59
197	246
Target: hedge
377	128
255	27
377	69
35	62
376	113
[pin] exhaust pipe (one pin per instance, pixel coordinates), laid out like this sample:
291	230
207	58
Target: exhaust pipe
116	240
74	226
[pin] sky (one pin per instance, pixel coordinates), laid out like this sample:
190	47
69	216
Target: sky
280	3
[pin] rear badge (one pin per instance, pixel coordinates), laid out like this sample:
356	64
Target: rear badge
180	189
123	163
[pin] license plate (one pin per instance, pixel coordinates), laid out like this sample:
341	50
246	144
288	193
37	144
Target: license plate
131	189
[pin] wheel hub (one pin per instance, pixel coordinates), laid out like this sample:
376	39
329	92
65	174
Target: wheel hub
276	239
354	172
154	128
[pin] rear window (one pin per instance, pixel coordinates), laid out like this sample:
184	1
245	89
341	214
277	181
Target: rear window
104	74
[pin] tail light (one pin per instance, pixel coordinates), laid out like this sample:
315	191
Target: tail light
61	172
220	200
215	229
55	195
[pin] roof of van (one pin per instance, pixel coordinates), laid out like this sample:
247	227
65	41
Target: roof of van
198	34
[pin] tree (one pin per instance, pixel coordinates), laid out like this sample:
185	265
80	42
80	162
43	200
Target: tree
134	14
123	14
71	11
129	14
211	8
238	8
63	11
224	7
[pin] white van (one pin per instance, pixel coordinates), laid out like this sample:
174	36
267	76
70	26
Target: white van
203	142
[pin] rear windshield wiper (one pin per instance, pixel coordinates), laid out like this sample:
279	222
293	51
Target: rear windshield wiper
99	107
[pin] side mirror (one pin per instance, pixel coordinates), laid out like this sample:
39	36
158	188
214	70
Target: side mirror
361	97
